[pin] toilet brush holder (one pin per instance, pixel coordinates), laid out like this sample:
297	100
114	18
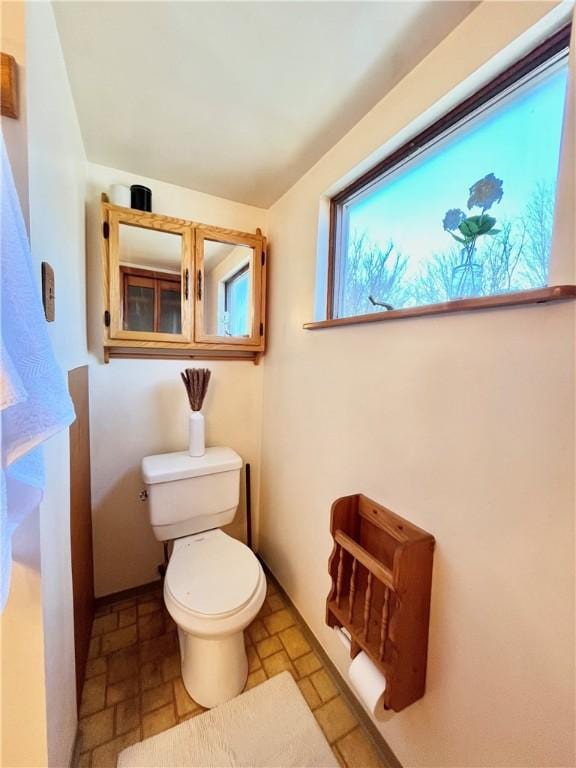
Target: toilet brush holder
196	444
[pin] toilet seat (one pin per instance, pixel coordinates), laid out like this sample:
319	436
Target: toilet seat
212	575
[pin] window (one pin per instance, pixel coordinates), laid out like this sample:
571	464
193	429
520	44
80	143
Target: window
466	208
236	297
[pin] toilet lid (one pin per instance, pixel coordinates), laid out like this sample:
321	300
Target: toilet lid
211	573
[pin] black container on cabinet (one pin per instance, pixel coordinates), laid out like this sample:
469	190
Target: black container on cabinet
141	198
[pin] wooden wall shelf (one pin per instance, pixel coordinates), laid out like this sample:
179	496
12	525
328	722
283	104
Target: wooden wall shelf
143	352
381	569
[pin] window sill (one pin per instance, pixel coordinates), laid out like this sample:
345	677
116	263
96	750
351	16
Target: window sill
540	296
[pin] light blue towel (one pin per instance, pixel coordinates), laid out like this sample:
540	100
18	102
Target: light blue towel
34	400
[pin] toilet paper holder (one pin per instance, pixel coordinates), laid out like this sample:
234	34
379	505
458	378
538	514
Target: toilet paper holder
381	571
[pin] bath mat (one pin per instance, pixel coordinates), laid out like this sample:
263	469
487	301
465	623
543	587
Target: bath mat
269	726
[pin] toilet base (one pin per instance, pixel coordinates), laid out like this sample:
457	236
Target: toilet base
214	669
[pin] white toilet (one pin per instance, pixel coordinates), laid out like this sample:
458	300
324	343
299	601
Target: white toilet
214	584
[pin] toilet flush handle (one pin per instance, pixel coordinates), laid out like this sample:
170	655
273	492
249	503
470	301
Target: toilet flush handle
143	495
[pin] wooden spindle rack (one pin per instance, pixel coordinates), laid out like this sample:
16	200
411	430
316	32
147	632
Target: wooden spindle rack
381	569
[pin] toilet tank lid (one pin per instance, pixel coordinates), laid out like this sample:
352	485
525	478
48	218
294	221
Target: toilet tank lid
165	467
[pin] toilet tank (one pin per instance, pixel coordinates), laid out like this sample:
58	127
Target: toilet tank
189	494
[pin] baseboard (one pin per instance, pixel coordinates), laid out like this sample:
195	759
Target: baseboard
380	745
127	594
75	756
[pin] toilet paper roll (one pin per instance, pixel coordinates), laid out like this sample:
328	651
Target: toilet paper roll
365	677
344	636
368	682
119	194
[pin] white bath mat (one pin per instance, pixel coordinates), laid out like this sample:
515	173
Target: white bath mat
269	726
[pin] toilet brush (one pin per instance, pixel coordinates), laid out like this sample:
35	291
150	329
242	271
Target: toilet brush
196	383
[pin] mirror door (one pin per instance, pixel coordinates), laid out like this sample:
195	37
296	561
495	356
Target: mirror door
228	287
150	274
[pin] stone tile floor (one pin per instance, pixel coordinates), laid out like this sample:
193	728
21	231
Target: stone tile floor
134	690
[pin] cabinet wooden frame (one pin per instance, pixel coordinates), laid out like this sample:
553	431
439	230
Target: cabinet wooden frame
229	237
117	308
120	343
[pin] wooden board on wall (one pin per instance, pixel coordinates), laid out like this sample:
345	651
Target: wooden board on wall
9	86
81	522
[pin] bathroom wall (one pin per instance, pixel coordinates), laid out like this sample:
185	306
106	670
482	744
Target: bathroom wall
464	424
12	36
139	407
23	704
56	167
47	155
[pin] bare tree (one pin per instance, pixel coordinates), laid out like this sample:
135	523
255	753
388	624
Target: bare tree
372	271
513	257
495	269
539	219
439	279
500	258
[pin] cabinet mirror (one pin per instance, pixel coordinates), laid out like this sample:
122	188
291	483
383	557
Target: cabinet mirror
151	278
227	284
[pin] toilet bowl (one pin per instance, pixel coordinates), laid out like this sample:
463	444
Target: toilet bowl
214	588
214	584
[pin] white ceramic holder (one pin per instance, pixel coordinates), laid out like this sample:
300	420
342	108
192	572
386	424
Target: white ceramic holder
119	194
196	444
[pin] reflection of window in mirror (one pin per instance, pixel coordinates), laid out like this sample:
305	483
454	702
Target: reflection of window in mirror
236	294
228	294
150	280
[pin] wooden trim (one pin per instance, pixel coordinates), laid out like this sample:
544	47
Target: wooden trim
126	594
151	273
379	570
546	50
164	353
149	220
196	346
230	236
332	248
539	296
9	106
81	522
145	219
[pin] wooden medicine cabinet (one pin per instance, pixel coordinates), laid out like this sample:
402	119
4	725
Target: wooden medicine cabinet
177	288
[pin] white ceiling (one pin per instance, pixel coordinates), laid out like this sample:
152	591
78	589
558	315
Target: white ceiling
237	99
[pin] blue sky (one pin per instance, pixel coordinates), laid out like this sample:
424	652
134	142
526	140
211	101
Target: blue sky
519	143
